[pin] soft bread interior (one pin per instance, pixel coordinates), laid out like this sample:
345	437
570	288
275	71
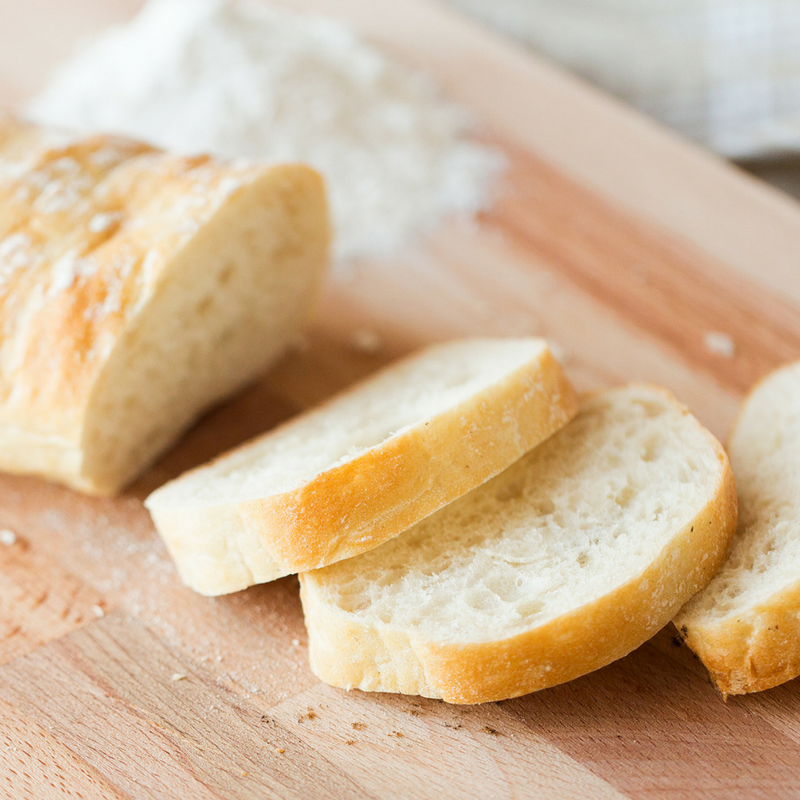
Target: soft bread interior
585	512
765	555
402	396
220	314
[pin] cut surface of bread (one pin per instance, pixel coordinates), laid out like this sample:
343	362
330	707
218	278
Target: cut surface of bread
745	626
137	289
356	471
568	560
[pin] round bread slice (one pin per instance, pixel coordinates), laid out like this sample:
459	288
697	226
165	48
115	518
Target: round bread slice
363	467
563	563
745	626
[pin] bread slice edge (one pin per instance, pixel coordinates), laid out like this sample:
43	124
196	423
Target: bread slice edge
362	503
754	651
760	648
348	653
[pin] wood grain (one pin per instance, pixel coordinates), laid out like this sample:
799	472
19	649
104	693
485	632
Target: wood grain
623	245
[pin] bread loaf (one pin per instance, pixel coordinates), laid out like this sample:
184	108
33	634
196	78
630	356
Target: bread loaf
137	289
364	466
746	625
565	562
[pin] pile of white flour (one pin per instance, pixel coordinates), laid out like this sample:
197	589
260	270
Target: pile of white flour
246	80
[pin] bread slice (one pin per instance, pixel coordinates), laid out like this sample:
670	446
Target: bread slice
364	466
565	562
745	626
137	289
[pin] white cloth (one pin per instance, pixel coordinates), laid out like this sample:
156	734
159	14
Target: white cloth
724	72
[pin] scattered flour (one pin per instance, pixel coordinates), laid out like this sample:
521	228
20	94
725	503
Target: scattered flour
246	80
366	340
720	344
7	537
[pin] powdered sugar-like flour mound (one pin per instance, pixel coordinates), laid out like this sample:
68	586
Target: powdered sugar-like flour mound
247	80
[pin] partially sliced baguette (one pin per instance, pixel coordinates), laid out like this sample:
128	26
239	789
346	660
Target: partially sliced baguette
563	563
363	467
137	289
745	626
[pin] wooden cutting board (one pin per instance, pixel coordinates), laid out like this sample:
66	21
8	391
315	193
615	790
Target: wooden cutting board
623	244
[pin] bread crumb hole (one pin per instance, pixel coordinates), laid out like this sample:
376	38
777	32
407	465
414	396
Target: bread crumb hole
226	275
545	506
652	448
623	498
650	408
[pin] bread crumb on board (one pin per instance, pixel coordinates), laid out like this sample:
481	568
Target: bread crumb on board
720	344
310	715
8	537
177	676
366	340
558	351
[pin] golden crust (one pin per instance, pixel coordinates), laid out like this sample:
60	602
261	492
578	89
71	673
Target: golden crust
88	228
348	653
361	504
757	650
753	652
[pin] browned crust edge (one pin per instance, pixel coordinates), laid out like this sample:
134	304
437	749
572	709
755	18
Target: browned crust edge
355	507
758	650
359	505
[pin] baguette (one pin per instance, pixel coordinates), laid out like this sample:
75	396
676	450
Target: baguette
138	289
745	626
363	467
565	562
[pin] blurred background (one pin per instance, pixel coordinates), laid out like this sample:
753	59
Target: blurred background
725	73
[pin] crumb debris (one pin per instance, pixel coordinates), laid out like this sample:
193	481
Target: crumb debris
358	726
8	537
366	340
455	726
558	351
178	676
98	611
350	741
295	643
279	750
396	734
719	343
310	715
491	731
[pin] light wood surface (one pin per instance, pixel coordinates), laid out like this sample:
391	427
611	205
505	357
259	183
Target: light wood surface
618	241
